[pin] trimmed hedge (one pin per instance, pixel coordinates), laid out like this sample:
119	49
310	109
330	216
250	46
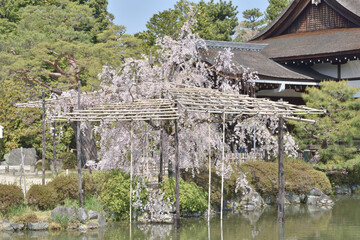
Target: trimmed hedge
42	196
68	160
10	195
66	187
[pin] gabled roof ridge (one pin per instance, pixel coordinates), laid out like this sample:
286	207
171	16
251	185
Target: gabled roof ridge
350	9
248	47
270	25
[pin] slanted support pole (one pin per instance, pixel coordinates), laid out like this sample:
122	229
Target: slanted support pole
222	169
281	175
131	165
78	149
209	152
43	138
177	177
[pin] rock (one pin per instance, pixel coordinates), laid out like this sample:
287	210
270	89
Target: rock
342	190
315	192
292	197
318	198
81	215
17	226
13	158
38	226
93	214
63	212
92	225
83	227
101	220
6	226
72	226
251	200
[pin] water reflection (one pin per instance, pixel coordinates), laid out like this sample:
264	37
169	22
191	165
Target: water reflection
302	222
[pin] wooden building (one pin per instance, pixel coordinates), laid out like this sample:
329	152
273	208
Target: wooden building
309	42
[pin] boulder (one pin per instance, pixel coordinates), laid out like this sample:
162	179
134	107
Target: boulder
292	197
62	212
83	227
38	226
92	214
6	226
81	215
342	190
101	220
13	158
251	200
92	225
17	226
318	198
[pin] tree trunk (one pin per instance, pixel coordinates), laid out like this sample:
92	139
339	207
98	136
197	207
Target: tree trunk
88	144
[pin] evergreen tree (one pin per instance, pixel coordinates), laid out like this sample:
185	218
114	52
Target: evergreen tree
335	133
215	21
275	8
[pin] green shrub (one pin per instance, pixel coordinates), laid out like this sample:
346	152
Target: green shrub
42	196
65	186
115	192
192	197
93	203
16	210
93	183
10	196
63	220
68	160
202	179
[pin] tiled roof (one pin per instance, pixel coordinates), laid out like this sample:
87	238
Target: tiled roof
313	43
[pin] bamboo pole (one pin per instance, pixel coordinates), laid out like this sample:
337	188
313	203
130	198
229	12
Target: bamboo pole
209	194
131	166
222	169
78	147
177	177
281	176
54	147
43	137
160	177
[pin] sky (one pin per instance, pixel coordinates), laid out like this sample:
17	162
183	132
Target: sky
134	14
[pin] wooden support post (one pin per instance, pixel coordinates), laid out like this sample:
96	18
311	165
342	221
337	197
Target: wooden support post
43	137
54	148
177	177
209	153
281	175
78	149
131	165
23	170
162	144
222	169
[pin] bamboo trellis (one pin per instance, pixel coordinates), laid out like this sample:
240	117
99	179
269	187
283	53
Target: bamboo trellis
191	99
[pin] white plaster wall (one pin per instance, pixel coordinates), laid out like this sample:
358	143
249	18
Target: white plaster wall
349	70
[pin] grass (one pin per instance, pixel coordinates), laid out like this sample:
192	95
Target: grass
71	202
23	210
62	220
92	203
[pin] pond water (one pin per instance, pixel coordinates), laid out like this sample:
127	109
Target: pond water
302	222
